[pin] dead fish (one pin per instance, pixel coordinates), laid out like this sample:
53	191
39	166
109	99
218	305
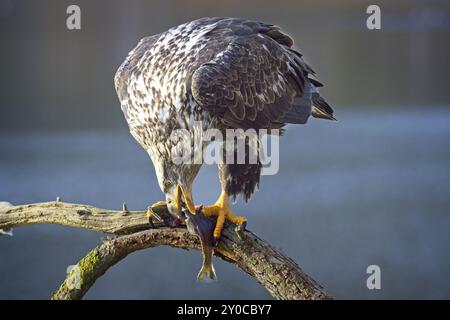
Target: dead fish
203	226
197	224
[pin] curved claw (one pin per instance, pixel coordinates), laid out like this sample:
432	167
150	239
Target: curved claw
150	222
215	241
150	216
159	212
239	229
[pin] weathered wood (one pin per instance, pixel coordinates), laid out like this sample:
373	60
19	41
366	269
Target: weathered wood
275	271
73	215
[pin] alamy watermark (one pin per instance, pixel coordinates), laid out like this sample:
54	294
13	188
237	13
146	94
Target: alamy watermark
374	280
373	21
73	21
230	146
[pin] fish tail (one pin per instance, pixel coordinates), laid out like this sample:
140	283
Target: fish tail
207	273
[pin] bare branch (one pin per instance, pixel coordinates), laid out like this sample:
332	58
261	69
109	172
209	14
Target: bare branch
73	215
279	274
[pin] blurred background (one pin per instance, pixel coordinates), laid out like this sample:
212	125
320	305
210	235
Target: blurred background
372	188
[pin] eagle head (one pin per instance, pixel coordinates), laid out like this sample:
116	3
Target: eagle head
171	177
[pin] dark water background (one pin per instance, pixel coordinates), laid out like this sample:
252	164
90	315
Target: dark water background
372	188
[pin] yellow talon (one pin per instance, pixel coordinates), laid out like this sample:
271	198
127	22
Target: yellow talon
159	203
222	211
150	211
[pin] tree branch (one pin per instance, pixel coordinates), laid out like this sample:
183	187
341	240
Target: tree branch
279	274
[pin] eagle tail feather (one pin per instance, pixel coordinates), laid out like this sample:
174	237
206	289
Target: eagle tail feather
321	109
300	111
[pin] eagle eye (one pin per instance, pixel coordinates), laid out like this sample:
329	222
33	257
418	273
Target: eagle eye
168	184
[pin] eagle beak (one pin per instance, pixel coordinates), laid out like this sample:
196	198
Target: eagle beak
184	198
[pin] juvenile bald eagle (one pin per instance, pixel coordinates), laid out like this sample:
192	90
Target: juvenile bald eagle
227	73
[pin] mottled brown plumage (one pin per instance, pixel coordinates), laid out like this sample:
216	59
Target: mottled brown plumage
226	72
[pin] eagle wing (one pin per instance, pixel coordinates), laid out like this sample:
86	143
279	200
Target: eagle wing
256	82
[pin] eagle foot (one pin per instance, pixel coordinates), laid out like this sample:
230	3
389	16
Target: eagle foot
158	212
222	211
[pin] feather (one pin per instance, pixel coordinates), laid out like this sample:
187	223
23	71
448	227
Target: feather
225	72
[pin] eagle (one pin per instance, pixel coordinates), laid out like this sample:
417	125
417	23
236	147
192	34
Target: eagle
225	73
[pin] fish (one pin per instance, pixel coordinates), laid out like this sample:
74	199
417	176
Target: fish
197	224
203	227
